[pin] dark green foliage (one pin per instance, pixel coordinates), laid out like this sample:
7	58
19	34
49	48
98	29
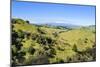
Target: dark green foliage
46	48
86	40
45	40
87	55
51	53
49	40
27	34
18	46
61	49
27	22
82	56
42	40
55	34
94	32
31	50
21	34
40	30
19	55
61	61
17	37
34	36
75	48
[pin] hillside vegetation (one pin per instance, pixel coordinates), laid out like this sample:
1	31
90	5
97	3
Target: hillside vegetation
42	44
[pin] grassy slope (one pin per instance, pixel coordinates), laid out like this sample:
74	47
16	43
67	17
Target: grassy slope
64	41
74	37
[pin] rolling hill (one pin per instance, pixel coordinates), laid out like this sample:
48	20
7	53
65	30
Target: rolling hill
47	44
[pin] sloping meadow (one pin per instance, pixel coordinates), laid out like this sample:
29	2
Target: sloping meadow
43	44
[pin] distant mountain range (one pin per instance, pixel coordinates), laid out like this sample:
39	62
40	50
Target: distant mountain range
67	25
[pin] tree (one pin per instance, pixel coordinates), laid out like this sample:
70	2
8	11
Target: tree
17	54
27	22
31	50
75	48
40	30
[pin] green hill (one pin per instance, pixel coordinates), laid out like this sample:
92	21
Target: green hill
34	44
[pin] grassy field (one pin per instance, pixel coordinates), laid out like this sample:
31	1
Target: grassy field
40	44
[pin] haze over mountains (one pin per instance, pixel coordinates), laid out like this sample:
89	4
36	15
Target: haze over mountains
68	25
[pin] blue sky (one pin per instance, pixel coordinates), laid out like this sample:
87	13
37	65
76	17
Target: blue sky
50	13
